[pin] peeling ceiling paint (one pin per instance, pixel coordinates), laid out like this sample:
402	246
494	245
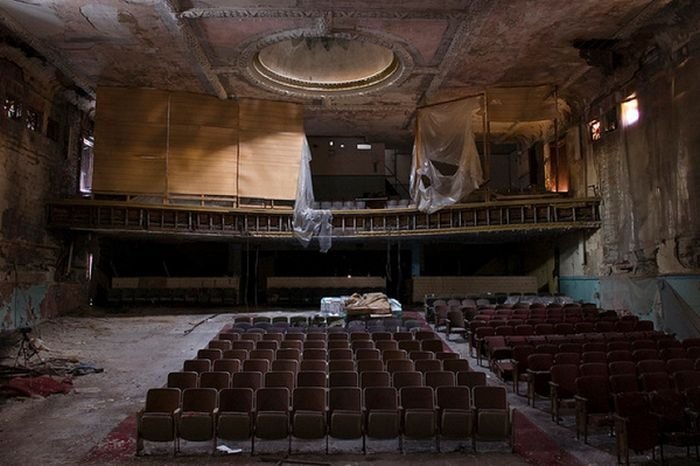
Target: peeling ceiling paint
456	48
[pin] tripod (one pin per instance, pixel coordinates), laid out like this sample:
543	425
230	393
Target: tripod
26	350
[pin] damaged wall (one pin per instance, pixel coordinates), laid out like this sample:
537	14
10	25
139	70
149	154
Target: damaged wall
39	155
650	177
646	256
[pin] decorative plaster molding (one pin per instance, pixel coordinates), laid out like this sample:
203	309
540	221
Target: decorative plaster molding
240	13
249	50
469	28
196	56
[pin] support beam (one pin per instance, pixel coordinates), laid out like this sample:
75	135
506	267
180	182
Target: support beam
169	12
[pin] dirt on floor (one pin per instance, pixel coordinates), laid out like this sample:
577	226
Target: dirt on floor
136	352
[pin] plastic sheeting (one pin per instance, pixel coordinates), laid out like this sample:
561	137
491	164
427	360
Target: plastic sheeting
446	165
660	300
306	221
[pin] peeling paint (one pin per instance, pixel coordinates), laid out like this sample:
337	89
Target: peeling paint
23	307
26	306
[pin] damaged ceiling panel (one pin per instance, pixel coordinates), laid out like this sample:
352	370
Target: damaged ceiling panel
442	50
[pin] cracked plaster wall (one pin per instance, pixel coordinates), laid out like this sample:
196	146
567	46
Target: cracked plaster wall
650	179
645	258
35	282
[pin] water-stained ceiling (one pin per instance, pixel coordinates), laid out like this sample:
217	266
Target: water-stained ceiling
443	49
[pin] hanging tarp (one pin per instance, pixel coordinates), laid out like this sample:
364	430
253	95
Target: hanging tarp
307	221
446	165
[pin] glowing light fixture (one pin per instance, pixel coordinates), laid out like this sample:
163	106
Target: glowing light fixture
594	129
630	111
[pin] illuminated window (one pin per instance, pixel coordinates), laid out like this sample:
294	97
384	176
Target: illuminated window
33	120
364	147
594	130
630	111
12	109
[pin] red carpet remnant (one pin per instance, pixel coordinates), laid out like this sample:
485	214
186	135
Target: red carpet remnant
43	385
536	446
119	444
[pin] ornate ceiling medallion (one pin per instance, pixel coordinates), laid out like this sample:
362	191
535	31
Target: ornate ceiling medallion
303	64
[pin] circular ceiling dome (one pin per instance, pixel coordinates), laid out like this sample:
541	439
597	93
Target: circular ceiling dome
325	63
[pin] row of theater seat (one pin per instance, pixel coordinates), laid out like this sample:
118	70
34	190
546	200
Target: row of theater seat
320	324
485	303
263	356
517	327
343	413
439	310
621	346
652	374
304	378
670	404
378	340
643	420
364	370
595	381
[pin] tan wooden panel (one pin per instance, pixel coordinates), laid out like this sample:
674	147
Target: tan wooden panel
131	105
130	140
202	110
202	160
326	282
129	174
270	140
175	282
464	286
125	282
133	139
274	116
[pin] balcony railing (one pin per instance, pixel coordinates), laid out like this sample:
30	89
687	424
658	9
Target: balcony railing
487	217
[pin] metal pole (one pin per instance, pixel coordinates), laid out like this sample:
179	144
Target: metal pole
556	137
487	132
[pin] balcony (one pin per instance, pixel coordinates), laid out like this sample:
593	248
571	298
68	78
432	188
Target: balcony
484	218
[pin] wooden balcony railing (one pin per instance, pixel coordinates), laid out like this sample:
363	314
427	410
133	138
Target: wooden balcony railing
487	217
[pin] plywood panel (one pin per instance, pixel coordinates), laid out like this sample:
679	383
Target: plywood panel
175	282
131	105
270	139
130	140
201	110
275	116
464	286
149	141
326	282
202	160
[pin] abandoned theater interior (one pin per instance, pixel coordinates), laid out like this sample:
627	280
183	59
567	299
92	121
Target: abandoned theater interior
319	232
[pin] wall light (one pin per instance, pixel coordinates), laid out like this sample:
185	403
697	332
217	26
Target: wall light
630	111
594	130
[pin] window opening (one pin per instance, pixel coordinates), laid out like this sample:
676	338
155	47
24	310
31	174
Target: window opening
86	164
33	120
12	108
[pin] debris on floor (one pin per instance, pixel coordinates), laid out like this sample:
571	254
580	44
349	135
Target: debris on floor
228	450
42	385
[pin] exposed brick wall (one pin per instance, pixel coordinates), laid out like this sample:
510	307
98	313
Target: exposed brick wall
37	165
649	174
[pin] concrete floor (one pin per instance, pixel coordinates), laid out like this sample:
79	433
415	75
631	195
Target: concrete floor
137	351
